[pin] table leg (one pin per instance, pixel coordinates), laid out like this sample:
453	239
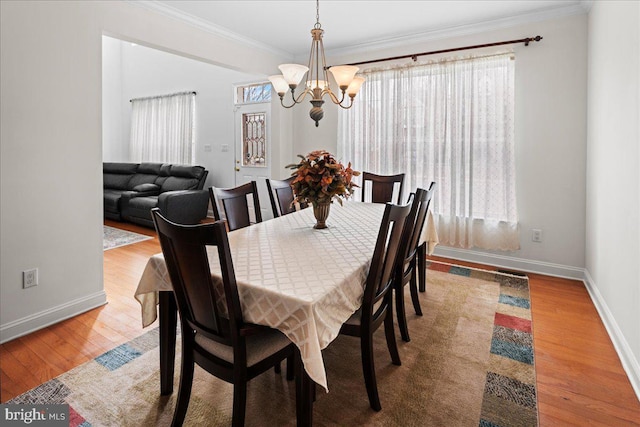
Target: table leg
304	394
168	321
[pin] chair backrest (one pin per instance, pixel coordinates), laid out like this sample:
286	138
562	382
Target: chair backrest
235	204
185	252
382	187
383	263
415	223
281	196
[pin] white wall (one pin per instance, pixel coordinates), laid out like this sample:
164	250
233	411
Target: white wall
151	72
51	144
613	177
114	147
550	138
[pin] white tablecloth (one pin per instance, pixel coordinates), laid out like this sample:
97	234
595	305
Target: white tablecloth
301	281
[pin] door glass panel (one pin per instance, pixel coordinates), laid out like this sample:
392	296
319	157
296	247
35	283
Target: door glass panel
254	139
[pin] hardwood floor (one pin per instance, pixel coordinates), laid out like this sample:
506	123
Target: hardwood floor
580	380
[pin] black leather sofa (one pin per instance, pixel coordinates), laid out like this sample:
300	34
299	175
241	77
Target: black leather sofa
131	190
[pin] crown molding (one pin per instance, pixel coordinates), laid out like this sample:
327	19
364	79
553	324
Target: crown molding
587	5
203	25
463	30
582	7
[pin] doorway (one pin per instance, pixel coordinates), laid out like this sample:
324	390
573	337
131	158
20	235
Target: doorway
253	149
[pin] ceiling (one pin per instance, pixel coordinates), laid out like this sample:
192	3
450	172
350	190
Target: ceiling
283	26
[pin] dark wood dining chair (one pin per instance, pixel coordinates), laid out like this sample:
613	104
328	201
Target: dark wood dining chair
221	343
382	187
377	303
422	249
281	196
235	204
409	262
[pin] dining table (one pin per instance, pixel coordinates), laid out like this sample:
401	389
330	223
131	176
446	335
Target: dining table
303	281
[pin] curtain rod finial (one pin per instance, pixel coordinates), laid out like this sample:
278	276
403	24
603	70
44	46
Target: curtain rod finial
532	39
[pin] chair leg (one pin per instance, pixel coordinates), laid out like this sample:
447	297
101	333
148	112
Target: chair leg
390	334
402	315
368	369
413	286
290	367
184	391
239	402
277	369
422	266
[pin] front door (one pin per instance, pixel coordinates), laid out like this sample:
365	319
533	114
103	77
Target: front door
253	149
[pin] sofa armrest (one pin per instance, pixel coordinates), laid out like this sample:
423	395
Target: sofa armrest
184	206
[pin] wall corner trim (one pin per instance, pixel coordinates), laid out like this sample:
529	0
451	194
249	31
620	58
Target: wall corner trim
627	358
50	316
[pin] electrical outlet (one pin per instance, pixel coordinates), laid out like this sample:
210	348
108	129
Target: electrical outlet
30	278
225	148
536	235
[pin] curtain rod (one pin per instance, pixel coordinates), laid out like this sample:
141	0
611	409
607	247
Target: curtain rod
414	56
161	96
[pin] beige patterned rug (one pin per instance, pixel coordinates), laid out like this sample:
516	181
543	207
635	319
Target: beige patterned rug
469	363
115	237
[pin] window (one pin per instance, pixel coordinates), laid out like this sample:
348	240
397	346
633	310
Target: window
249	94
450	122
162	129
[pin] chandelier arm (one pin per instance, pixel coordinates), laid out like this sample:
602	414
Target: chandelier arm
333	96
295	100
346	107
300	97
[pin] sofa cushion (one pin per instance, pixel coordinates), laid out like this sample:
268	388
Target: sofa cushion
116	181
146	187
150	168
140	207
141	178
174	183
184	171
120	168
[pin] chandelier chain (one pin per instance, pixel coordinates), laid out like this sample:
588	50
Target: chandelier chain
317	26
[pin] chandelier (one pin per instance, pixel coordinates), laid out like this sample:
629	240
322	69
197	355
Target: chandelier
317	83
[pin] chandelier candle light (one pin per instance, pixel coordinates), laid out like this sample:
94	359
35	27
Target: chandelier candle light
317	84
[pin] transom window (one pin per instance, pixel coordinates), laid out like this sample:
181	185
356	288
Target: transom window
253	93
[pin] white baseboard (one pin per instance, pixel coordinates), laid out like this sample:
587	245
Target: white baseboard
629	361
48	317
627	358
511	263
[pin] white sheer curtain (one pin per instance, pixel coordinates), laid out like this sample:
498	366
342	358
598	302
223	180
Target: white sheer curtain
451	122
162	129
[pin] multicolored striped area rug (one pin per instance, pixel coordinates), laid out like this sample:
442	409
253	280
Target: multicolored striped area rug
469	363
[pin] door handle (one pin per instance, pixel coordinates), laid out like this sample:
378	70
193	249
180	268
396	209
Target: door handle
237	169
